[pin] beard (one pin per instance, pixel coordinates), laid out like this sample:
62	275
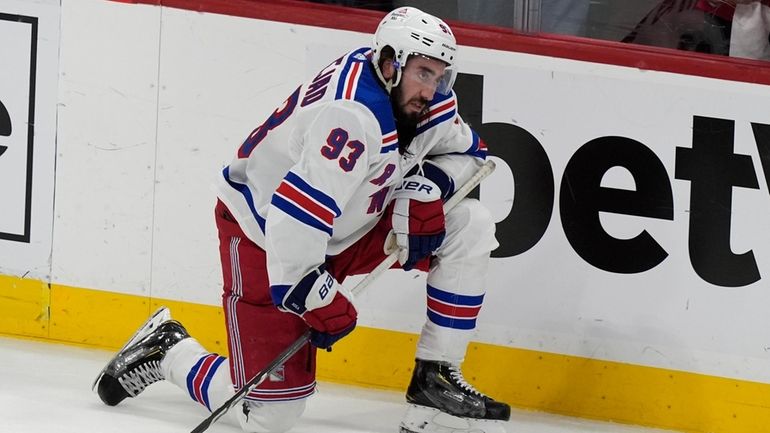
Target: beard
406	121
404	117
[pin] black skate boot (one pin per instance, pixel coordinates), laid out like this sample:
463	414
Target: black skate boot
440	387
137	364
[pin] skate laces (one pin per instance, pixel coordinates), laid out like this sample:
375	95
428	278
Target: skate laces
139	378
457	376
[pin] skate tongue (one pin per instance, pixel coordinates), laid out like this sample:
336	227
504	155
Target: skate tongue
422	419
457	375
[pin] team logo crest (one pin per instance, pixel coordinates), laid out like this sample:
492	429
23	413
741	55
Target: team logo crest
277	375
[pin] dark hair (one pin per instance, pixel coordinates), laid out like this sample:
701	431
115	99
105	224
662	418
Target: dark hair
387	53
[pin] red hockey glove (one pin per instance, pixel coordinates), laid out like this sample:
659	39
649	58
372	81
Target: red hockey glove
417	216
322	302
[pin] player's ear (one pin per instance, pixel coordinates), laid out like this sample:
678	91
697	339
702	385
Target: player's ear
388	69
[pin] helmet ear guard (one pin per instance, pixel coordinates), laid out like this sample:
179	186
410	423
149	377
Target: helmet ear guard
409	31
387	52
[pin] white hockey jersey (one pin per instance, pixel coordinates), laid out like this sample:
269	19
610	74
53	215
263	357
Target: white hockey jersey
320	171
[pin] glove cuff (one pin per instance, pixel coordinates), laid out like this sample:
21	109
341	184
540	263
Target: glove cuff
439	177
418	188
316	289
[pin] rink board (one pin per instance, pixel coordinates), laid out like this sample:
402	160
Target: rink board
667	331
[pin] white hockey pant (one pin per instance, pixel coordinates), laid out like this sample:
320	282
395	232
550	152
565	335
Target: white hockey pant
205	377
457	283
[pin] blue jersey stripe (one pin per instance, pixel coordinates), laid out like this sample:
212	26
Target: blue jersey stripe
454	323
300	214
191	377
207	381
475	150
480	154
344	74
438	100
452	298
390	148
246	192
369	92
443	118
316	194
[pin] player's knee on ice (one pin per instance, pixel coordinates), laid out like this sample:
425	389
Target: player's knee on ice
275	417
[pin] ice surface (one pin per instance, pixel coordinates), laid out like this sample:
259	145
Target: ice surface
46	388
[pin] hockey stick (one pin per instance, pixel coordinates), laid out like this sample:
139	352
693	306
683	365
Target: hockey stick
390	260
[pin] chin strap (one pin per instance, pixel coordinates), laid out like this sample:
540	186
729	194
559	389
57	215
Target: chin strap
389	84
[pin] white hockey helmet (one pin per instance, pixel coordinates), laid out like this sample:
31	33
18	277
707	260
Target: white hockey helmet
410	31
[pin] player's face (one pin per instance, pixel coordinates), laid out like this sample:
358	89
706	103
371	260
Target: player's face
422	76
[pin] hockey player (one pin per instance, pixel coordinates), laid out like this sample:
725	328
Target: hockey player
371	145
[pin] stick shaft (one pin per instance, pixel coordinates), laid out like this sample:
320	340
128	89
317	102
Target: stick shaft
468	186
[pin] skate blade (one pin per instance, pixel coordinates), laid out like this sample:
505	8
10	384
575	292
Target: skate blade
422	419
161	315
